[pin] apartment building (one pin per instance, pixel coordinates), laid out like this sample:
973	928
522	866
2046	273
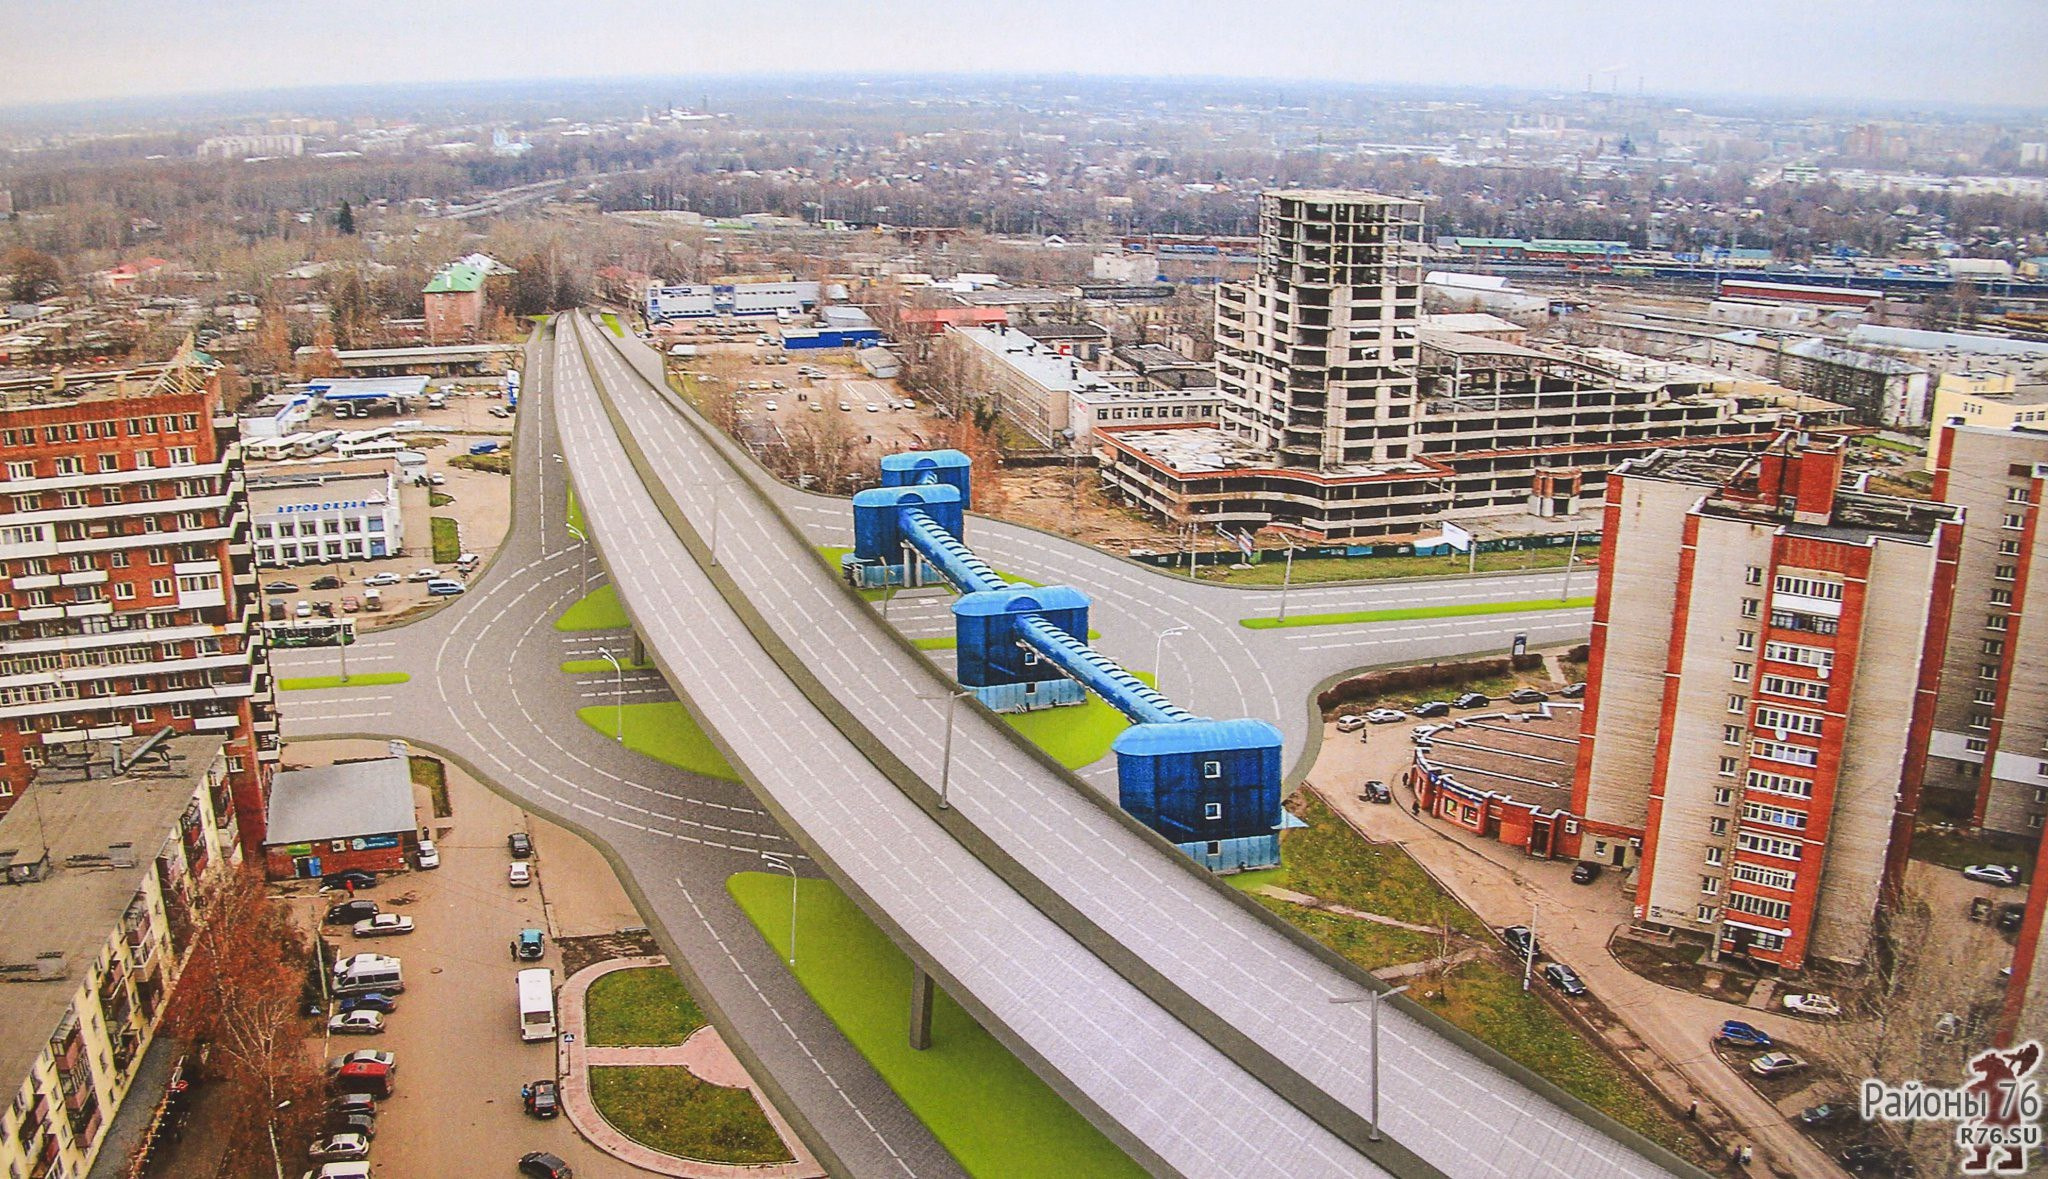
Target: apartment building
1053	396
127	581
99	886
331	512
1345	416
1988	758
1766	651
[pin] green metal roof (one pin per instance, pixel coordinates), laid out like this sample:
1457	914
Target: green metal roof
456	277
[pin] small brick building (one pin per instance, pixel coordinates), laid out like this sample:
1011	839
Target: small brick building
455	304
332	818
1507	776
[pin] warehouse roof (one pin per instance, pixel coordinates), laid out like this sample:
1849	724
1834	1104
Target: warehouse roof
341	801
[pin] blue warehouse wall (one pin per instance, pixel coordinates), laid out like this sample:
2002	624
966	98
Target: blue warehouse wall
1201	781
877	519
985	624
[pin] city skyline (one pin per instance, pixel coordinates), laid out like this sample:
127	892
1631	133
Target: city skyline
1827	51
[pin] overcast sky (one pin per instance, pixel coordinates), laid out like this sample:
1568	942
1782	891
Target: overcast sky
1936	51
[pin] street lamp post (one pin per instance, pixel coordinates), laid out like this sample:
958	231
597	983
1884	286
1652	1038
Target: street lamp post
1159	652
1372	999
778	860
1286	579
1570	560
946	756
1529	952
341	630
544	507
585	542
618	694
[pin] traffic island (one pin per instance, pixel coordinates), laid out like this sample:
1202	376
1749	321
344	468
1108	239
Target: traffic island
682	1105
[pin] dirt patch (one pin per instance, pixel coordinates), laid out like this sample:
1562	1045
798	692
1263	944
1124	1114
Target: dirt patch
579	952
1678	966
1070	502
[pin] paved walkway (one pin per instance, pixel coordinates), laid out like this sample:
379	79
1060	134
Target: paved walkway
1308	902
706	1056
1574	923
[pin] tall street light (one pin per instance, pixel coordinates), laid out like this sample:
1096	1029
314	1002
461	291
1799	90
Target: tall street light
946	758
618	694
585	542
1372	999
1159	652
778	860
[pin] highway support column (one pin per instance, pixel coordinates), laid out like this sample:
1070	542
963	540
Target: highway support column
921	990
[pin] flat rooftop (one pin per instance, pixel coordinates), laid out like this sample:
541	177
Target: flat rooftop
102	836
1528	757
341	801
1198	450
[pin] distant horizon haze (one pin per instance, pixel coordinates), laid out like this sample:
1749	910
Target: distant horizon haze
1957	53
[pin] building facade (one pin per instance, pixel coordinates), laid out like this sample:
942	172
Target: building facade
97	907
358	815
321	514
127	577
1766	651
454	302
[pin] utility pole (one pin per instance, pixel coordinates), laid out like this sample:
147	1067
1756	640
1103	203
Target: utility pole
1286	579
778	860
1529	952
1571	560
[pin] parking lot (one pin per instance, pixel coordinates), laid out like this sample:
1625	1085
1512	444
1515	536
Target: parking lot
455	1109
478	501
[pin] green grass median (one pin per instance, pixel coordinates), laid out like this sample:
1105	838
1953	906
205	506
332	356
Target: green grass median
981	1103
366	679
599	610
669	1109
447	539
612	321
1075	735
1411	613
643	1007
664	731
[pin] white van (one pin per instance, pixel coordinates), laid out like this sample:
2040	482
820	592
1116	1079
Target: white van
537	1004
359	974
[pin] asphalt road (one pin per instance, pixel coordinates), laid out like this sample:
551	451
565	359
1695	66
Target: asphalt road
1236	968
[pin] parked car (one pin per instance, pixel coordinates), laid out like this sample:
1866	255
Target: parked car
541	1098
1564	978
376	580
770	406
428	857
542	1165
326	582
339	1147
354	1103
2002	875
1520	940
1385	716
1743	1035
1528	696
383	925
374	1001
1429	708
1376	791
423	575
1573	691
1585	872
364	1123
352	878
1473	700
483	448
1832	1113
1350	723
1948	1026
529	945
2010	917
302	609
437	479
1824	1005
1877	1158
520	843
350	912
363	1076
281	587
499	411
375	1056
519	875
1776	1064
441	587
357	1023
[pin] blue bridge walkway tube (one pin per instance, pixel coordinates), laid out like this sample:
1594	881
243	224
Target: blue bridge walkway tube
1211	787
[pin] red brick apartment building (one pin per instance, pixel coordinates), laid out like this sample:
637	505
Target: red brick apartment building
127	580
1765	657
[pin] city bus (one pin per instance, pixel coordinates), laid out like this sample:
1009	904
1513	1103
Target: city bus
537	1004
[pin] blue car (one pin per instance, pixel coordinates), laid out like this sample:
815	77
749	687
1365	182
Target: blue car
484	448
374	1001
1744	1035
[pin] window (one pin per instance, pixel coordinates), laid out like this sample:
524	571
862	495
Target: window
124	591
2013	520
1779	685
1987	671
1715	856
1704	914
1779	784
1729	766
1984	696
71	498
1760	906
69	464
162	587
2001	597
1798	755
1776	878
1212	810
1975	745
1731	734
2008	548
1980	721
110	462
1710	885
1738	704
1776	816
1817	624
1992	646
1717	826
2018	495
1742	672
1754	575
1745	640
21	470
1799	653
1750	607
1767	845
1212	769
2034	821
111	495
1784	720
2005	572
1723	795
1808	587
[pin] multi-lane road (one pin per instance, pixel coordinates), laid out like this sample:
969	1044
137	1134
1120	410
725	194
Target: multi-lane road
1203	1038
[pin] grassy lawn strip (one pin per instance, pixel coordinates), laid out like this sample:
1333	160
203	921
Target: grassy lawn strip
599	611
612	321
645	1007
361	679
1075	735
1272	566
447	539
665	1107
994	1115
498	462
1370	945
663	731
439	499
1405	613
429	772
951	642
578	666
1327	860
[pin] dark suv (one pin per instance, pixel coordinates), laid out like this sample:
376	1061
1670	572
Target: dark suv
542	1165
521	844
1520	940
1473	700
1429	708
350	912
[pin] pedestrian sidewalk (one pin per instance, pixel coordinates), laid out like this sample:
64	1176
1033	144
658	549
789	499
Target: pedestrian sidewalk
705	1054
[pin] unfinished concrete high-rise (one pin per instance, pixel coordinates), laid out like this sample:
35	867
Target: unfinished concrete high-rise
1310	355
